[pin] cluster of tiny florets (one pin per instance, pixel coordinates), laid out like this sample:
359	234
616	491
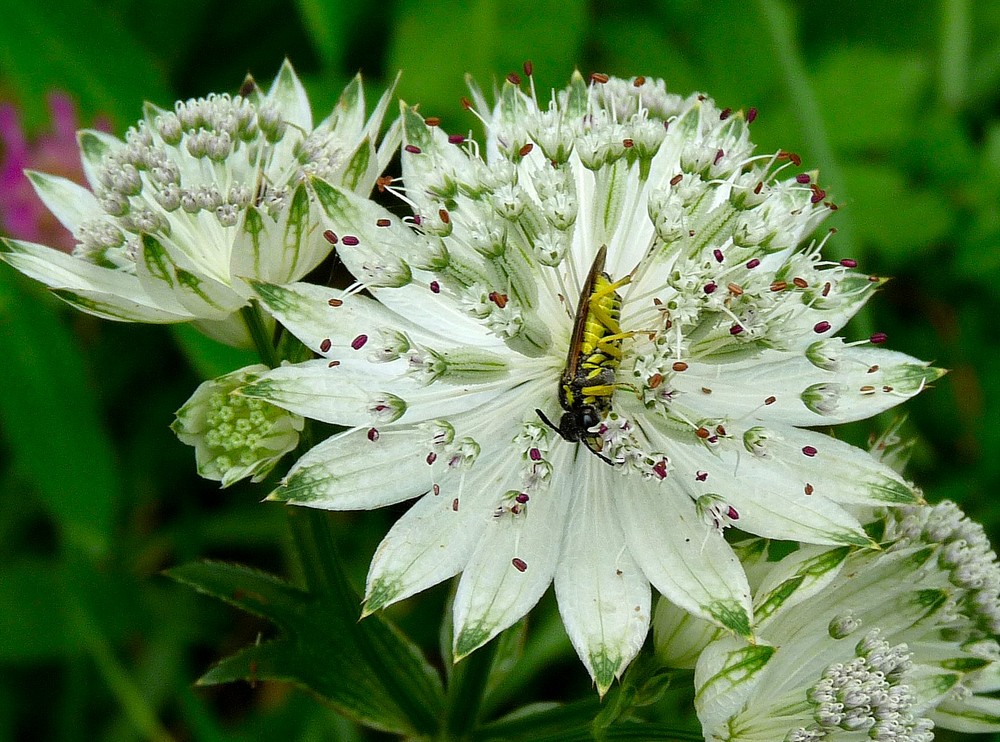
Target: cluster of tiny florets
867	694
170	165
965	555
236	427
196	169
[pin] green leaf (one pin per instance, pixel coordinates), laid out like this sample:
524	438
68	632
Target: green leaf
893	214
82	49
50	418
455	38
870	97
322	647
32	597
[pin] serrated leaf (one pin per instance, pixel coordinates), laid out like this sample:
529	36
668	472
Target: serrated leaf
322	647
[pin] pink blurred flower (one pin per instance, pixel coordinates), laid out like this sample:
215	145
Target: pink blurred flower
22	213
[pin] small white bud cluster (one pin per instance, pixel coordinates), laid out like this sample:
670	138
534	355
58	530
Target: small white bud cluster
868	694
457	454
620	445
625	98
966	555
533	441
213	156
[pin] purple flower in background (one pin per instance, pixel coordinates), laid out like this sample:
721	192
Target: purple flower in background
22	213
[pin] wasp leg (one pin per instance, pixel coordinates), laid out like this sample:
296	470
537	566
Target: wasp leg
610	288
597	452
604	317
604	390
618	336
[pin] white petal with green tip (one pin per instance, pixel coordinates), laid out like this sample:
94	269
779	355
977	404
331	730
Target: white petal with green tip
288	94
513	565
348	113
768	503
435	538
803	327
686	559
174	282
796	578
94	146
283	250
347	214
346	393
70	203
832	468
727	674
101	291
306	310
360	470
603	596
866	381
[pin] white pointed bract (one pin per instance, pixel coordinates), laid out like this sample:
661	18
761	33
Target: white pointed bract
198	198
727	353
860	644
235	436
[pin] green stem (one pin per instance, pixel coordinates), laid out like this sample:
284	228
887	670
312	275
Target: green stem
953	69
465	692
259	334
131	699
780	28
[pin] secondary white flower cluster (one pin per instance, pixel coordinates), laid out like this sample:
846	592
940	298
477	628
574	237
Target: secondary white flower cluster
459	327
198	198
856	644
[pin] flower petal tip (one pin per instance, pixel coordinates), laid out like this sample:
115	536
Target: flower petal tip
732	617
277	495
605	669
381	594
468	640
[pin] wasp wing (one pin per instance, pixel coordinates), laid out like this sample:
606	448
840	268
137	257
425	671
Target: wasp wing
582	312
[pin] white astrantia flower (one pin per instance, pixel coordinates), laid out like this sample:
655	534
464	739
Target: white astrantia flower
235	437
196	198
459	328
858	644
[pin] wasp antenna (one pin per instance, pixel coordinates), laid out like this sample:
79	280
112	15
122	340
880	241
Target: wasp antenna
546	420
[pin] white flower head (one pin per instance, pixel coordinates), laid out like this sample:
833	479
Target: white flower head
196	198
859	644
234	436
679	410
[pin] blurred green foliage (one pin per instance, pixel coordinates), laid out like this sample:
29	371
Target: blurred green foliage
896	103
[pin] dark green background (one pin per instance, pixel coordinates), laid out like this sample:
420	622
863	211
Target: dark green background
895	102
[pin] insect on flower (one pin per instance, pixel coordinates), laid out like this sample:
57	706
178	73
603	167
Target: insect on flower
588	381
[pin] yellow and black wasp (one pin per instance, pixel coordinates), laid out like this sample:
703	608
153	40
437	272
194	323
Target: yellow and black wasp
595	350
